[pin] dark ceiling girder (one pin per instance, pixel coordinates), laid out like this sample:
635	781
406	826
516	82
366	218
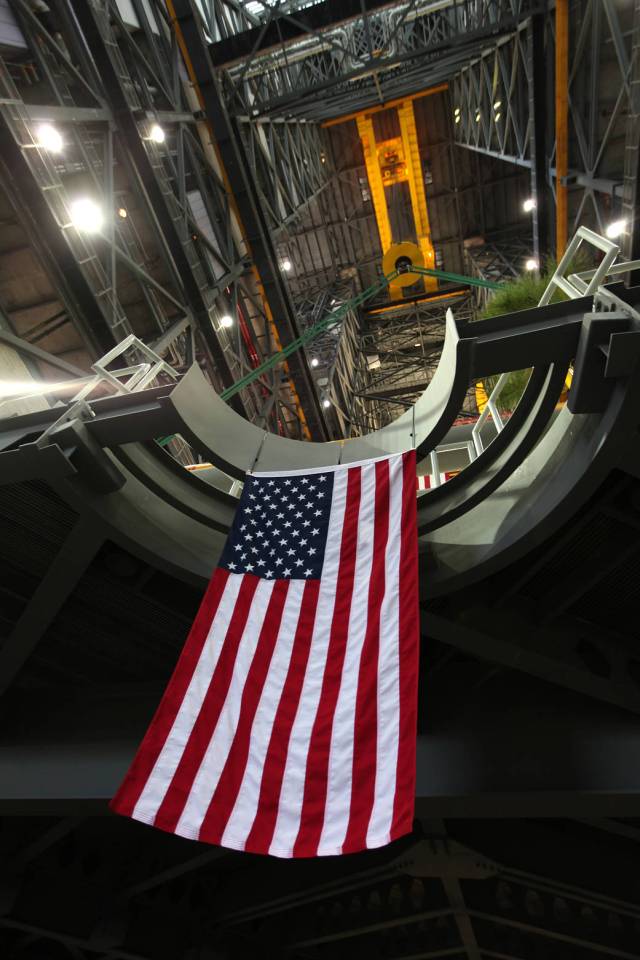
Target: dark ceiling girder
582	758
146	183
74	556
257	234
48	240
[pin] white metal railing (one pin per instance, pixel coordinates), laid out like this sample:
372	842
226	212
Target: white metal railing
576	285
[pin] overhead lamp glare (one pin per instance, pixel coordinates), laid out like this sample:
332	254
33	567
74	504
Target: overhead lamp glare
122	213
314	361
529	205
326	403
86	215
531	264
157	134
226	320
49	138
616	228
286	265
497	116
497	104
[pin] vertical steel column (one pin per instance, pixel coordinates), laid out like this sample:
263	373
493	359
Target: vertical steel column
631	197
562	124
537	76
245	200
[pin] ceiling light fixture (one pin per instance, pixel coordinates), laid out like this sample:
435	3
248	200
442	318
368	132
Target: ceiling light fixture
49	138
531	264
157	134
529	205
122	213
326	403
226	320
314	361
286	265
86	215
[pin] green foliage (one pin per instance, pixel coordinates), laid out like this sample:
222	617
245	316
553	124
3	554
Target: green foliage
520	294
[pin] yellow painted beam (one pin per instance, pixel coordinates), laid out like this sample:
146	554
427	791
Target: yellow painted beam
376	188
562	124
440	88
409	135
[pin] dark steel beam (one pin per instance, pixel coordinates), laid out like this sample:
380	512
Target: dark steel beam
538	113
74	556
245	195
510	650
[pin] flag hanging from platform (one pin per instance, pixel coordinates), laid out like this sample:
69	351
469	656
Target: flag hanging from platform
289	724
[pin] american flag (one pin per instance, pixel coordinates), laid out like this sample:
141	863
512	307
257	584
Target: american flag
288	726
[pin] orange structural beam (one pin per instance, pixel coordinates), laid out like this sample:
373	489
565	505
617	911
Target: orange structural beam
562	124
440	88
409	135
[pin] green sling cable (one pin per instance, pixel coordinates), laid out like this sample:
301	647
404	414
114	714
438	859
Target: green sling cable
457	278
329	321
332	318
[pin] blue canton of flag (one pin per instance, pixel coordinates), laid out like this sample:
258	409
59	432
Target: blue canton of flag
280	527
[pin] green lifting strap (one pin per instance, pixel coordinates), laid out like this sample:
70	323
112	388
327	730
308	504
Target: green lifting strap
457	278
331	319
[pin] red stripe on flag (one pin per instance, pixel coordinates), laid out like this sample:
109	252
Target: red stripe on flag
203	729
363	779
315	789
149	750
404	800
261	833
226	792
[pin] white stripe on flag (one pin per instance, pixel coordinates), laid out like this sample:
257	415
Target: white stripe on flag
244	812
291	794
206	779
337	808
388	670
173	748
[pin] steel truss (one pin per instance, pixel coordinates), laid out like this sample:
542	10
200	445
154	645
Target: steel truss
494	107
372	56
398	353
171	260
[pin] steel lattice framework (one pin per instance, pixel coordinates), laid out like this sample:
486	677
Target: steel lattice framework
500	113
292	62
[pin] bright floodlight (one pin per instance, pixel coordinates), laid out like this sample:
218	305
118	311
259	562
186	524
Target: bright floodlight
49	138
86	215
616	229
531	264
226	321
157	133
326	403
314	361
122	213
529	205
286	265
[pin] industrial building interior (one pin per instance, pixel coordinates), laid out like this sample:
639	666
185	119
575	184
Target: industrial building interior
245	232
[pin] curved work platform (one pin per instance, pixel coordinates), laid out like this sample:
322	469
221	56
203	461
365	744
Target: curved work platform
533	477
231	443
